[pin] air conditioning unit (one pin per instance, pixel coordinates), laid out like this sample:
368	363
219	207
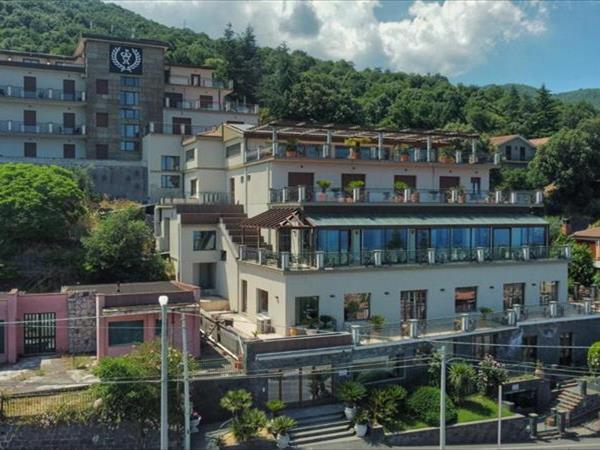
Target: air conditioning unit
263	324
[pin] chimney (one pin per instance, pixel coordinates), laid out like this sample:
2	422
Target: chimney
565	227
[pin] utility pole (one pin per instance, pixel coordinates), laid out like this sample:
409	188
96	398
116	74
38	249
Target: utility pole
499	415
163	300
186	385
443	400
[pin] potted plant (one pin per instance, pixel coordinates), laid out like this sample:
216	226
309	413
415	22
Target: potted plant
280	428
461	193
403	152
415	196
324	185
291	149
399	188
539	369
312	325
327	322
377	322
336	194
195	420
351	392
356	184
484	310
355	143
361	423
275	407
446	155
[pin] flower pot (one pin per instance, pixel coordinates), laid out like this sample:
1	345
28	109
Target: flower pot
293	331
539	372
361	429
404	157
283	440
291	154
354	154
322	196
415	197
461	198
399	198
350	412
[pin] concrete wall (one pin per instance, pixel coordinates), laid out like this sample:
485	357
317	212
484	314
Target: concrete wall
155	146
48	148
46	79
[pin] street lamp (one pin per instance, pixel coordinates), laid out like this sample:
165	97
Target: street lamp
163	300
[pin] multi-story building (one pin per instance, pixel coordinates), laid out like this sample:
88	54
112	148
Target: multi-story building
515	150
305	232
93	108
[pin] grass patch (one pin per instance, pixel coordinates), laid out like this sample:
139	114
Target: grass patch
479	407
20	406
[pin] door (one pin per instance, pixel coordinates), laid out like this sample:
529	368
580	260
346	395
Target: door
182	125
174	99
39	331
566	352
410	180
69	89
206	275
29	86
232	191
413	305
196	80
206	102
30	121
69	123
350	177
447	183
306	179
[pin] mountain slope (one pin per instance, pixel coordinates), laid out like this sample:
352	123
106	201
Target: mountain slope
591	95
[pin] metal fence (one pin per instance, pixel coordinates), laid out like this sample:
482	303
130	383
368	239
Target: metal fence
25	404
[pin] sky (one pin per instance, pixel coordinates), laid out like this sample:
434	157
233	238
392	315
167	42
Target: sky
471	42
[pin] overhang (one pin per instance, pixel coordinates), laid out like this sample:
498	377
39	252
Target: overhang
277	218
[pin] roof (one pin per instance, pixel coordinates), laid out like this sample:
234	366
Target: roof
153	287
100	37
276	218
423	219
589	233
539	141
215	132
499	140
240	126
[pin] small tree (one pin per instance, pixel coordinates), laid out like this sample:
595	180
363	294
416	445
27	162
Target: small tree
581	265
491	374
434	368
275	407
247	425
281	425
236	401
385	403
352	392
463	379
593	357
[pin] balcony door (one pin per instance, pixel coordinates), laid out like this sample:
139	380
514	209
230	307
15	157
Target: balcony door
413	305
69	123
182	124
447	183
30	120
410	180
302	179
69	89
348	178
29	86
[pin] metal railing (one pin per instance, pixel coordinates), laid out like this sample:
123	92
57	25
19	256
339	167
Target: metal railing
200	82
181	129
13	126
320	260
42	93
312	194
211	106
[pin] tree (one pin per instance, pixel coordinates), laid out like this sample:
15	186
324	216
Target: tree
236	401
462	378
581	265
546	115
593	357
490	375
121	248
39	203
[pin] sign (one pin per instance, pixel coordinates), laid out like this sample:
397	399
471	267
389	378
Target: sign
126	60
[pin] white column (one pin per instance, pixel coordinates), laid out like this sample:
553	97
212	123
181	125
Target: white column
244	154
480	254
465	323
431	255
518	311
355	330
301	193
429	152
320	260
9	91
50	127
458	157
407	195
413	328
261	256
380	146
182	129
242	252
51	93
378	257
167	102
9	125
526	252
151	125
285	260
83	96
83	130
513	198
553	309
539	197
498	197
284	195
356	194
275	143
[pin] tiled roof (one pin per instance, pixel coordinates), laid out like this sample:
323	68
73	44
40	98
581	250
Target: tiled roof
499	140
539	141
590	233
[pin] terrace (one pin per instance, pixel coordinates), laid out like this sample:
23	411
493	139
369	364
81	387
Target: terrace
199	105
49	128
42	94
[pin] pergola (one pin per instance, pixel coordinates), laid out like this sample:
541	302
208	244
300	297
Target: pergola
274	219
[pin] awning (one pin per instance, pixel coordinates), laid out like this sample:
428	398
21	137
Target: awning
423	220
277	218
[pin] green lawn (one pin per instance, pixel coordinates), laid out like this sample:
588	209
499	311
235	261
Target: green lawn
478	407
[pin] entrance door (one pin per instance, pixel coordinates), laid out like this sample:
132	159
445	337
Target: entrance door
39	331
206	275
447	183
566	352
232	191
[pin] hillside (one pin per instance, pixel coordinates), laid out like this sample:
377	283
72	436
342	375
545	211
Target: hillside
294	85
591	95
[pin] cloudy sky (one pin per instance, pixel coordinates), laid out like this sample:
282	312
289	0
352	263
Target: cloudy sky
477	42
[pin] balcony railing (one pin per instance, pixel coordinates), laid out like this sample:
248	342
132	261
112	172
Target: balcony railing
199	198
214	106
13	126
182	129
202	82
321	260
309	194
43	94
329	152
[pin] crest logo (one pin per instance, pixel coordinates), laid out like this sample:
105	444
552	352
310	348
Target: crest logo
125	59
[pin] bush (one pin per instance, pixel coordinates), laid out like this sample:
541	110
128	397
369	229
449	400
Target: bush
463	380
352	392
425	404
593	357
385	403
275	407
281	425
248	424
236	401
491	374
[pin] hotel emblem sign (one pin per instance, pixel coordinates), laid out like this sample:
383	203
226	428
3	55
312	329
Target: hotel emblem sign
126	60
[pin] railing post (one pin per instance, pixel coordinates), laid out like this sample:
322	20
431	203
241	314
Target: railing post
593	292
458	156
480	254
526	252
431	255
284	195
83	130
454	195
465	323
355	330
83	96
429	150
261	256
242	252
356	194
51	92
50	127
473	157
553	309
498	197
407	194
327	146
9	125
533	425
285	260
511	317
513	197
182	129
151	127
301	194
167	102
413	328
320	260
518	311
539	197
417	154
9	91
377	257
497	158
587	307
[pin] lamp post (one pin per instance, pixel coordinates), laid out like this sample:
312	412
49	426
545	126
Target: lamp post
163	300
443	399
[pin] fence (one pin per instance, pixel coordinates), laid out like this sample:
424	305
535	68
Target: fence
14	406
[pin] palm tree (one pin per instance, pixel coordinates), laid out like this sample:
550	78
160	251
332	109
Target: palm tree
236	401
462	377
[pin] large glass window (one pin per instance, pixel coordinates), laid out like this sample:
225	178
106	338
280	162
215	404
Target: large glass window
548	292
514	294
333	240
204	240
461	237
413	305
127	332
169	162
130	81
501	237
520	236
537	236
129	98
530	348
341	152
373	239
465	299
262	301
128	113
130	130
129	146
170	181
440	237
357	306
481	237
190	154
307	310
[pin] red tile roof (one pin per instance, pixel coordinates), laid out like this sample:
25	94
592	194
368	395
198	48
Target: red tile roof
539	141
589	233
499	140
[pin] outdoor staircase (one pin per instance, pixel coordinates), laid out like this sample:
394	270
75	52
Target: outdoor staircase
320	424
570	401
232	221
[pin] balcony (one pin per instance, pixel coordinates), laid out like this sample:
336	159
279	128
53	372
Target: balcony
320	260
176	128
49	128
42	94
199	82
197	105
408	156
457	196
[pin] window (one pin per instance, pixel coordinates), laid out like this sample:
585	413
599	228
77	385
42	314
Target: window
244	306
129	146
206	101
130	81
30	120
373	239
449	183
101	119
475	185
508	152
481	237
69	122
193	187
262	301
102	87
413	305
170	181
190	154
514	294
440	238
410	180
30	149
69	151
101	151
566	352
307	310
529	352
29	86
357	306
522	153
485	345
69	89
233	150
204	240
129	98
548	292
158	327
465	299
130	130
127	332
182	125
31	60
169	162
128	113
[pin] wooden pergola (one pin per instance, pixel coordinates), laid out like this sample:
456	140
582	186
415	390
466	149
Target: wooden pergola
275	219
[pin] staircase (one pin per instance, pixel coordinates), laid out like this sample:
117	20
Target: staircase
232	222
320	424
570	401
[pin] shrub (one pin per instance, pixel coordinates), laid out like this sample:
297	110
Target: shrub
352	392
275	407
236	401
384	403
248	424
434	369
463	379
377	322
491	374
425	404
281	425
593	357
374	375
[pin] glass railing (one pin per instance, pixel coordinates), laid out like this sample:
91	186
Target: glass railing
13	126
41	93
211	106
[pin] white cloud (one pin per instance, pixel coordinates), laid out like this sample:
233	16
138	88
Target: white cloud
449	37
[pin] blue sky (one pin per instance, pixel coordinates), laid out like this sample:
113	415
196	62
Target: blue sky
473	42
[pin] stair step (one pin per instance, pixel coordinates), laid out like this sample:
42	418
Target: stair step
322	424
315	430
322	437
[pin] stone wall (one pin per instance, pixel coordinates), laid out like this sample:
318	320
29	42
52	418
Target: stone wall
81	306
514	429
